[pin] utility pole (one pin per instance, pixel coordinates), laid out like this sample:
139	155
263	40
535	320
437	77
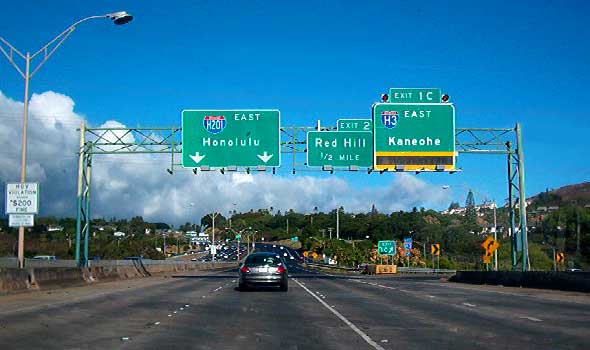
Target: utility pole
164	245
578	251
287	226
239	235
495	238
337	222
330	231
214	250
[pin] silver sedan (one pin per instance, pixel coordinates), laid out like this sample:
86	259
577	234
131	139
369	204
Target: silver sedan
263	269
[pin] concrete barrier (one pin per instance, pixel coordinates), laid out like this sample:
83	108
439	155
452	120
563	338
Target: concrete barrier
57	277
13	280
569	281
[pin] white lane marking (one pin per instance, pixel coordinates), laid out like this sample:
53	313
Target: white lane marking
157	323
175	312
405	291
181	309
470	305
531	318
344	319
431	296
187	305
169	315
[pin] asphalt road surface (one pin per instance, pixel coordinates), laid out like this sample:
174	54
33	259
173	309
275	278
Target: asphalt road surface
205	311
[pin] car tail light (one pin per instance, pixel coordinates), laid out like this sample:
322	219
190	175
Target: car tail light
245	269
280	269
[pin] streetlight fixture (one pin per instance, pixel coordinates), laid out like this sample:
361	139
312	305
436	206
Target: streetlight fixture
27	73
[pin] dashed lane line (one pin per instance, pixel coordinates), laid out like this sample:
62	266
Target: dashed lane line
352	326
534	319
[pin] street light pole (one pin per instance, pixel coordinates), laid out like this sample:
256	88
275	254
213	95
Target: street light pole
47	50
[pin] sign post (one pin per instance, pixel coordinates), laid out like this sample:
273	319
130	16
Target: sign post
230	138
408	248
22	202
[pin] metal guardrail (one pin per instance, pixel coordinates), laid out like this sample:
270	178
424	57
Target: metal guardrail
401	269
10	262
333	266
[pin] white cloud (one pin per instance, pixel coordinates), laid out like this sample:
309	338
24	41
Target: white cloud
128	185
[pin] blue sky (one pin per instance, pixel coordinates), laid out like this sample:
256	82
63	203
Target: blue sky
501	62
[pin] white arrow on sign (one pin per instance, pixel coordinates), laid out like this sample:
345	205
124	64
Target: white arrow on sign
197	158
265	157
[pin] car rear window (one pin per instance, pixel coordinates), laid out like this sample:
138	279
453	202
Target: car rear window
262	260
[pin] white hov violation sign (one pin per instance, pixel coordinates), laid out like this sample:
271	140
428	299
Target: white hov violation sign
22	198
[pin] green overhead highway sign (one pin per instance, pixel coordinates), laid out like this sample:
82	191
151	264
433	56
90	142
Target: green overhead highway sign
354	125
340	148
386	247
413	95
224	138
414	136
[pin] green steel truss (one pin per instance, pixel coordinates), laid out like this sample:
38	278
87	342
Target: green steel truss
167	140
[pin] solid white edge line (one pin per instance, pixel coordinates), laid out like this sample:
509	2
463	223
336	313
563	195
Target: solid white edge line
344	319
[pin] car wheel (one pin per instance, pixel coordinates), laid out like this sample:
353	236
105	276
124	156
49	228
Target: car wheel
242	287
284	287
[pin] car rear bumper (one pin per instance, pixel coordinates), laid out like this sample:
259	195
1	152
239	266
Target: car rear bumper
262	279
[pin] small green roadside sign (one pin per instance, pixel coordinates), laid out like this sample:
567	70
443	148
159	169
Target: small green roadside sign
386	247
354	125
224	138
339	148
238	236
414	95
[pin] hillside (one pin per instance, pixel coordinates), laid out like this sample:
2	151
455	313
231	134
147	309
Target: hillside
578	193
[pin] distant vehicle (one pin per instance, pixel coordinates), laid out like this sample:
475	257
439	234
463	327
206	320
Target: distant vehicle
263	269
45	257
573	270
